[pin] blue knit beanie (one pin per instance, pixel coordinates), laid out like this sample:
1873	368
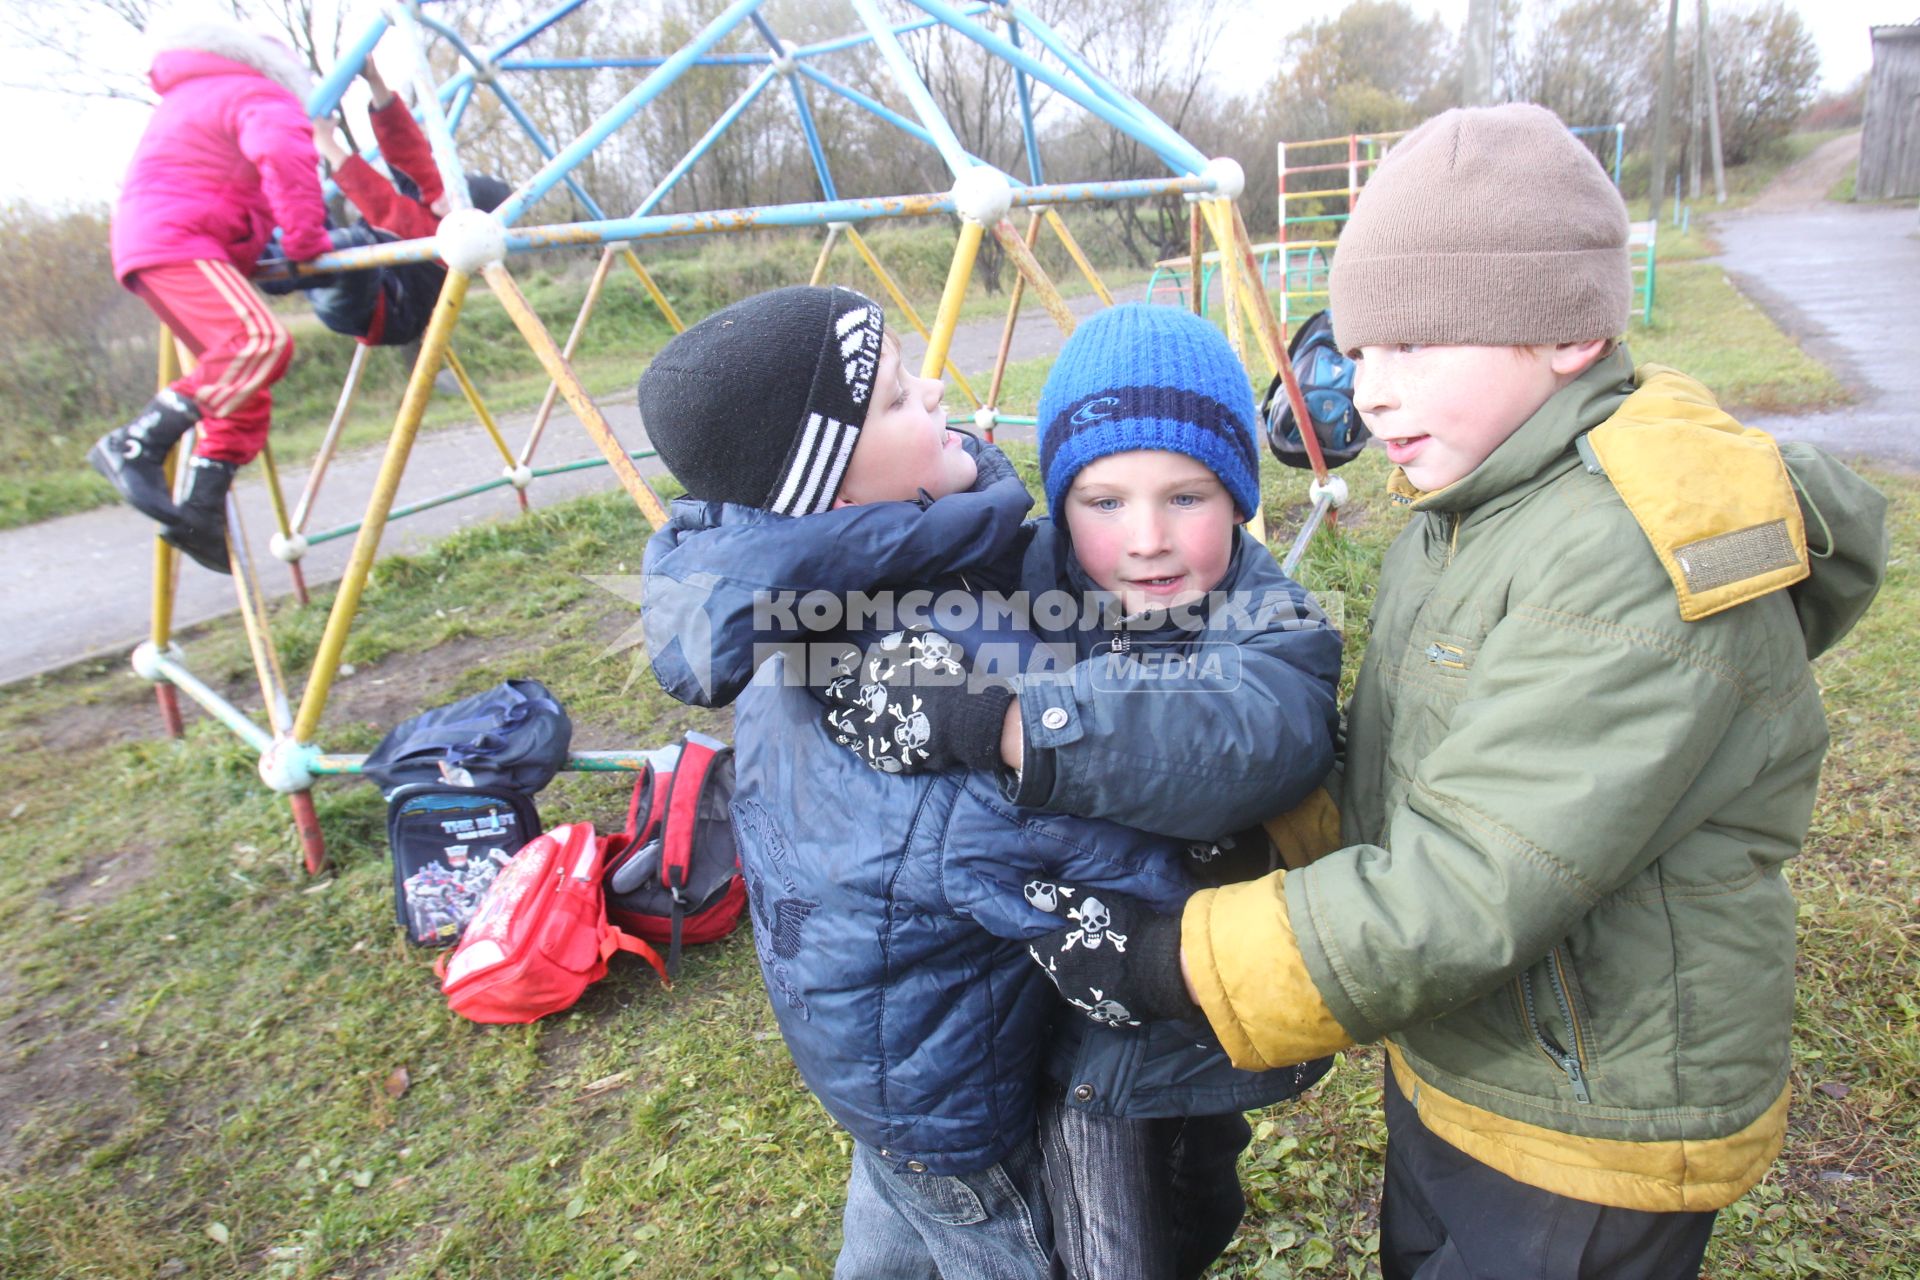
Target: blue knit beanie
1147	377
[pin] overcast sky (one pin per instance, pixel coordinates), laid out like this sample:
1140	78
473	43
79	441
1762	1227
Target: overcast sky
61	148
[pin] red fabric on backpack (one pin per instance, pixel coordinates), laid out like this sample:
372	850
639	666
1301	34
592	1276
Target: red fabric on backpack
679	906
541	936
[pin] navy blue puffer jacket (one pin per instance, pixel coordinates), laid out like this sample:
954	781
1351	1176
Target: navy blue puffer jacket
889	912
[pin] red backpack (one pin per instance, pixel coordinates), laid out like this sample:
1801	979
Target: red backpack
541	936
673	875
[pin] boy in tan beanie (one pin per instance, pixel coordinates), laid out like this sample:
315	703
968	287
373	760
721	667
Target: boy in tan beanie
1584	740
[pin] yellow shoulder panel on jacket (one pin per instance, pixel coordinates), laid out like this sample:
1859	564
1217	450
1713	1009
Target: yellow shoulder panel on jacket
1712	496
1246	970
1656	1177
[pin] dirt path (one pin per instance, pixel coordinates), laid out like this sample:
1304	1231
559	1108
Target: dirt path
1807	181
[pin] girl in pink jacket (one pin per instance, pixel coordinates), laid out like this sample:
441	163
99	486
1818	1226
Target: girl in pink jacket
227	157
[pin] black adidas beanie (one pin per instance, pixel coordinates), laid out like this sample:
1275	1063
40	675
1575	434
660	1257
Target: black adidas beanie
761	402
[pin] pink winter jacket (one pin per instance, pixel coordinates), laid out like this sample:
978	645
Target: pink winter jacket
227	156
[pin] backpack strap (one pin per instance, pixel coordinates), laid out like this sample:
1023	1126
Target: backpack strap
618	939
697	754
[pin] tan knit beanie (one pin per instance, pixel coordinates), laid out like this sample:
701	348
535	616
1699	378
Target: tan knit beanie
1486	226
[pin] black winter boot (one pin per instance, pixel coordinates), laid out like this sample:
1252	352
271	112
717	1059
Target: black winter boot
201	530
133	458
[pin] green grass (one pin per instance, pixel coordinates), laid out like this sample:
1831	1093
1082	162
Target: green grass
1705	327
199	1070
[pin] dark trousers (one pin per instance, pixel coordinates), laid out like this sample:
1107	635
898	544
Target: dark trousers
1140	1199
1446	1216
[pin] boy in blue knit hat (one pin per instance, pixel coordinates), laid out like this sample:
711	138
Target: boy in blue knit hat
892	904
1177	710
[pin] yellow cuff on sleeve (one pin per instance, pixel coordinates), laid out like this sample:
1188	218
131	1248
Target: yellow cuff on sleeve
1247	972
1307	832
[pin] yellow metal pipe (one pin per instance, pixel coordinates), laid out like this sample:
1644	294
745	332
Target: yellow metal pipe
253	617
479	406
892	287
965	250
653	291
1059	225
1014	295
1273	342
826	252
1195	268
528	322
277	498
573	342
366	544
1030	270
165	559
1230	296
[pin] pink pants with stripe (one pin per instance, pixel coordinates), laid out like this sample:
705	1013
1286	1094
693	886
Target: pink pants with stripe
241	347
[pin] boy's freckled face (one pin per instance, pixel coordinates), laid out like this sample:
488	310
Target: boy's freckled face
904	443
1152	527
1440	411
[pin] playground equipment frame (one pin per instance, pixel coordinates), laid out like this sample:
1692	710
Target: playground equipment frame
474	244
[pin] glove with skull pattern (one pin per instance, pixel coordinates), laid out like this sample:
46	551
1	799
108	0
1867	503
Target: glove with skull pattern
1118	961
911	705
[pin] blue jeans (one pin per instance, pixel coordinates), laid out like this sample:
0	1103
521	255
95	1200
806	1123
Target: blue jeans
921	1226
1140	1199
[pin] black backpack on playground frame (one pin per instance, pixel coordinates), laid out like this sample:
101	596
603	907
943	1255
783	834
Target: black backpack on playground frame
1326	384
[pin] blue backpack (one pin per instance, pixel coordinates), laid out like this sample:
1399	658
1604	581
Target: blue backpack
459	781
514	735
1326	384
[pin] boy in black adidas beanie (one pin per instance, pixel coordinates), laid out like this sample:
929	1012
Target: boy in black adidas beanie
797	401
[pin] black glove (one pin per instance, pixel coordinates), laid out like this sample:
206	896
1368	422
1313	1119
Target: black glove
912	706
990	466
1118	963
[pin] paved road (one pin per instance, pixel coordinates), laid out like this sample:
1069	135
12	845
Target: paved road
85	581
1845	281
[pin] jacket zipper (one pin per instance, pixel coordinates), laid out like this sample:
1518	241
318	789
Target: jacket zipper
1568	1061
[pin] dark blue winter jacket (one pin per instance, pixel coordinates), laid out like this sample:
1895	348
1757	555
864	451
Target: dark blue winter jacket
1122	733
889	912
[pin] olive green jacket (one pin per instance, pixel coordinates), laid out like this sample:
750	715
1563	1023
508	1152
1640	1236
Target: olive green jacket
1585	738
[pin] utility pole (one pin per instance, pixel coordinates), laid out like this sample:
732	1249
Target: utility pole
1476	87
1713	107
1696	115
1663	112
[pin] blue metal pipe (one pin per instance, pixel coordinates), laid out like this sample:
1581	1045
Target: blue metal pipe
901	28
462	98
545	147
1099	83
644	60
879	109
329	189
707	140
622	111
1034	172
815	214
446	157
327	94
1169	146
538	25
884	38
803	110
